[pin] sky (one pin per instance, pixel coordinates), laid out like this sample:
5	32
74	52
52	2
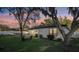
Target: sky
6	19
62	11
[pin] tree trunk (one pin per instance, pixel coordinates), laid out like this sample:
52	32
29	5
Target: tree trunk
21	33
67	39
67	44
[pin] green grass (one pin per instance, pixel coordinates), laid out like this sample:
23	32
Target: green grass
14	44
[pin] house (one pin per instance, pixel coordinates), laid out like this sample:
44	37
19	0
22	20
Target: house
44	30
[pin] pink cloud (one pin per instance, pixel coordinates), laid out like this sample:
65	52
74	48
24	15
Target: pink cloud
10	21
40	21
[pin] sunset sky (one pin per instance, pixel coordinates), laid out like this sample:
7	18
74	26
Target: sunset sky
9	20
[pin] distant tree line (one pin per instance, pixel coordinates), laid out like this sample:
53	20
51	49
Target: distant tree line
4	28
7	28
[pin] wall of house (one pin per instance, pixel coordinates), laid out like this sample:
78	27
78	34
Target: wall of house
33	32
44	32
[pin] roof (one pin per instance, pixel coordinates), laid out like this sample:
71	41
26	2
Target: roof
43	26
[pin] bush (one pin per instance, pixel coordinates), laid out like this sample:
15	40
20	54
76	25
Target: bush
50	37
36	35
41	36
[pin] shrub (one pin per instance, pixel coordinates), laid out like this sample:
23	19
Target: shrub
50	37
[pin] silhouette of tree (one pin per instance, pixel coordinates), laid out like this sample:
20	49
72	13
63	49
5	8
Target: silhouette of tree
4	27
22	15
74	11
52	12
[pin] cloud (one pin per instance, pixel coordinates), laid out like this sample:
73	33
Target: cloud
8	20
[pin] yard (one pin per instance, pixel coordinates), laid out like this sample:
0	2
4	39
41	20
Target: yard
14	44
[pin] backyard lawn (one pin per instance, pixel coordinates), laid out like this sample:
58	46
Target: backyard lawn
14	44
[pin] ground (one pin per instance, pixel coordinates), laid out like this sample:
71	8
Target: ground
14	44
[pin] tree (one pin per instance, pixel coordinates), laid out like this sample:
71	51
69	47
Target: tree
65	21
48	22
4	27
22	15
74	11
52	12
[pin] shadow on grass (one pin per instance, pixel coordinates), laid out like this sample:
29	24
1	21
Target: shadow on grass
14	44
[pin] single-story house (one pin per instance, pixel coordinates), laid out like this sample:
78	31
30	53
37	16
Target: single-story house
44	31
50	29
